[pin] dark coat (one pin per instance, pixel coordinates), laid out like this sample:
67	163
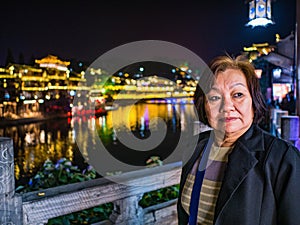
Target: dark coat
261	184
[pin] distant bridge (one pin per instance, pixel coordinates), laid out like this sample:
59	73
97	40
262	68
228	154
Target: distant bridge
151	95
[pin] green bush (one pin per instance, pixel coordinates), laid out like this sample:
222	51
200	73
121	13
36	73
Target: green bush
159	196
52	175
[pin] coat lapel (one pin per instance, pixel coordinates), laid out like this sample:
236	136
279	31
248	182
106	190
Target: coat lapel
240	161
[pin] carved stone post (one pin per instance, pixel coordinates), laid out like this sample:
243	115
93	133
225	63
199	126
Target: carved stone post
10	205
127	212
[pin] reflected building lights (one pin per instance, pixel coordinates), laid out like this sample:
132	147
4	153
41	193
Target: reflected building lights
183	122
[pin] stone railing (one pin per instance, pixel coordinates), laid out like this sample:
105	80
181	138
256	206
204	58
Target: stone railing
40	206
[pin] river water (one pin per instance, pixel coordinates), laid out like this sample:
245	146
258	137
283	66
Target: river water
74	138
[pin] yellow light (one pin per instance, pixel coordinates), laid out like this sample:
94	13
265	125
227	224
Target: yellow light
184	68
29	102
265	51
277	37
249	49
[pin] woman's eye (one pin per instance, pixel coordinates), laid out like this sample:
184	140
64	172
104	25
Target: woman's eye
238	95
213	98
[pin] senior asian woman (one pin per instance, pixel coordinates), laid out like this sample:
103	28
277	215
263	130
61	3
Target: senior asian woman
239	174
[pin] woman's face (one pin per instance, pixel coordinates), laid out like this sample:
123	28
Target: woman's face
229	103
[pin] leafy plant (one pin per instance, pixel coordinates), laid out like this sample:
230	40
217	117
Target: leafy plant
159	196
51	175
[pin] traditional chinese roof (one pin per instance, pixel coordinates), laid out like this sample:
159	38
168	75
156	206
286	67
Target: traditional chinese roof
52	61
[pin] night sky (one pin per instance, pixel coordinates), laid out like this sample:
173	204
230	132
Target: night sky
84	30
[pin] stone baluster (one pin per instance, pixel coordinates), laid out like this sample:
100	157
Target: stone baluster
10	204
127	211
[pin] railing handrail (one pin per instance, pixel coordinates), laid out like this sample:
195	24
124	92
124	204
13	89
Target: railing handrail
40	206
132	177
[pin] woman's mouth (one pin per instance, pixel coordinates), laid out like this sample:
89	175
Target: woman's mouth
228	119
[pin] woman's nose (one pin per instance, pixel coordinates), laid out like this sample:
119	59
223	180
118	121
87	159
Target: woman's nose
227	104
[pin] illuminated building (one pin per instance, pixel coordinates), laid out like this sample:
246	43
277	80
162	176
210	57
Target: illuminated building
275	64
33	89
257	50
52	86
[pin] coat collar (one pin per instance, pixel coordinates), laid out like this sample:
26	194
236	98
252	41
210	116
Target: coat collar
253	139
241	160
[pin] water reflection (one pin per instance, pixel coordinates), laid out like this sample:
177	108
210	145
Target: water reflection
121	132
54	139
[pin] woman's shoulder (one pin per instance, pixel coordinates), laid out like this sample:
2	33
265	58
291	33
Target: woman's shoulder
274	151
278	143
267	135
256	137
